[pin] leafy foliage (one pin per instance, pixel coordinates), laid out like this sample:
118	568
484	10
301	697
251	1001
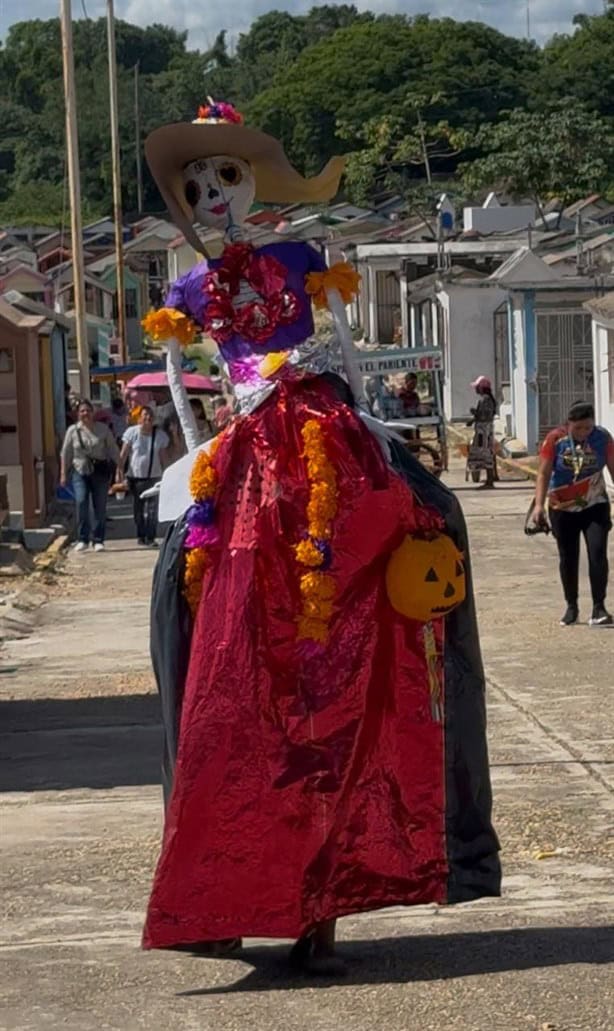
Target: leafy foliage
566	151
582	65
409	99
400	149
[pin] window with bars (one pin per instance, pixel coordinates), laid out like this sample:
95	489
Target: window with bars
565	364
502	349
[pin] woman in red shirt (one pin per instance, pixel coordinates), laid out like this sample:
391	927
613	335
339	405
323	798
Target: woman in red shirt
571	480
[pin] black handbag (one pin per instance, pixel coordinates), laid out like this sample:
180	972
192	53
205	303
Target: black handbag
530	527
96	466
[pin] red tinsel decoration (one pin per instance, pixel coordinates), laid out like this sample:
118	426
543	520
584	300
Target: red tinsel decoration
259	319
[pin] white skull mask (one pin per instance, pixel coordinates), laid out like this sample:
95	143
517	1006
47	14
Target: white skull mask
220	191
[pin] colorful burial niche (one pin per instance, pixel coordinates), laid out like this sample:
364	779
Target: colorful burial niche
425	578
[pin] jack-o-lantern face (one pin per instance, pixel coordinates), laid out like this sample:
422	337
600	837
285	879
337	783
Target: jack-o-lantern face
425	579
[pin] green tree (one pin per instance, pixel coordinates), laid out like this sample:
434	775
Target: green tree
406	97
564	152
581	65
364	71
32	105
399	150
273	42
42	202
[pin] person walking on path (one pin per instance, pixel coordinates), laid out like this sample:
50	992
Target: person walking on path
482	448
204	426
142	456
119	419
571	480
89	454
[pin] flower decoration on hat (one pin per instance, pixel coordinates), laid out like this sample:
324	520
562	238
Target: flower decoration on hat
218	113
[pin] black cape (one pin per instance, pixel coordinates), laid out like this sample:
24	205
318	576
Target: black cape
473	859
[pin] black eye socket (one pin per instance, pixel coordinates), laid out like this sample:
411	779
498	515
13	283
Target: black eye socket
230	174
192	193
431	577
459	569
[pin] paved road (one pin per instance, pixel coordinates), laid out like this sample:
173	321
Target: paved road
81	823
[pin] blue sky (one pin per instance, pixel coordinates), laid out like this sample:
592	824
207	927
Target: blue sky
204	20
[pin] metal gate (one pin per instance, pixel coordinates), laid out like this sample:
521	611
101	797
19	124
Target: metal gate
502	350
388	308
564	365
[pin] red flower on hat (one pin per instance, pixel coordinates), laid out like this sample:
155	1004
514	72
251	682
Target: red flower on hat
219	112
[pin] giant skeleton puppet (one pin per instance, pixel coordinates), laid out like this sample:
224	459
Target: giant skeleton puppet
313	628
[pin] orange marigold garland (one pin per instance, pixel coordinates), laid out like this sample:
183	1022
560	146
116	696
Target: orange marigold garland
316	585
342	277
202	533
167	323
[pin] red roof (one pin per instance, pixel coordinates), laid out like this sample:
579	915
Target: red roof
264	218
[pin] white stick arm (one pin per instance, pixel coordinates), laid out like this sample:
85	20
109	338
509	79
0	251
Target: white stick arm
349	353
179	395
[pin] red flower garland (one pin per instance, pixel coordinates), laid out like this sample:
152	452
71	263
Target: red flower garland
258	320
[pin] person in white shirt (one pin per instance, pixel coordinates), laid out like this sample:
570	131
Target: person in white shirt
143	456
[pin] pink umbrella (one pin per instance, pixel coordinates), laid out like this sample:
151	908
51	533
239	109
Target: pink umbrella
191	381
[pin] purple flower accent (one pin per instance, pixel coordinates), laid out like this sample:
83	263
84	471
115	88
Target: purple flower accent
202	537
201	514
245	370
325	550
308	650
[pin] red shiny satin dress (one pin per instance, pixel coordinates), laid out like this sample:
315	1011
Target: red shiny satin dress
306	788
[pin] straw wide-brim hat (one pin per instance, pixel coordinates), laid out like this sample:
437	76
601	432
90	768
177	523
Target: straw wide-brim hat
172	147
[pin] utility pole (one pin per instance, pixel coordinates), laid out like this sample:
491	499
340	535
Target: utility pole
137	121
528	19
74	187
117	185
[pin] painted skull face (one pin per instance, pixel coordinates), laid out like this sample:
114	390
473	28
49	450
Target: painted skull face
220	191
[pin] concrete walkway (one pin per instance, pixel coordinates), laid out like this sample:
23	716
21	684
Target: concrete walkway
81	819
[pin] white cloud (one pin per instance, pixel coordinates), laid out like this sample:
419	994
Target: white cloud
204	21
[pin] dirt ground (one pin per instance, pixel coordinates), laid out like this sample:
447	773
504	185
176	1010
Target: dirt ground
80	814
